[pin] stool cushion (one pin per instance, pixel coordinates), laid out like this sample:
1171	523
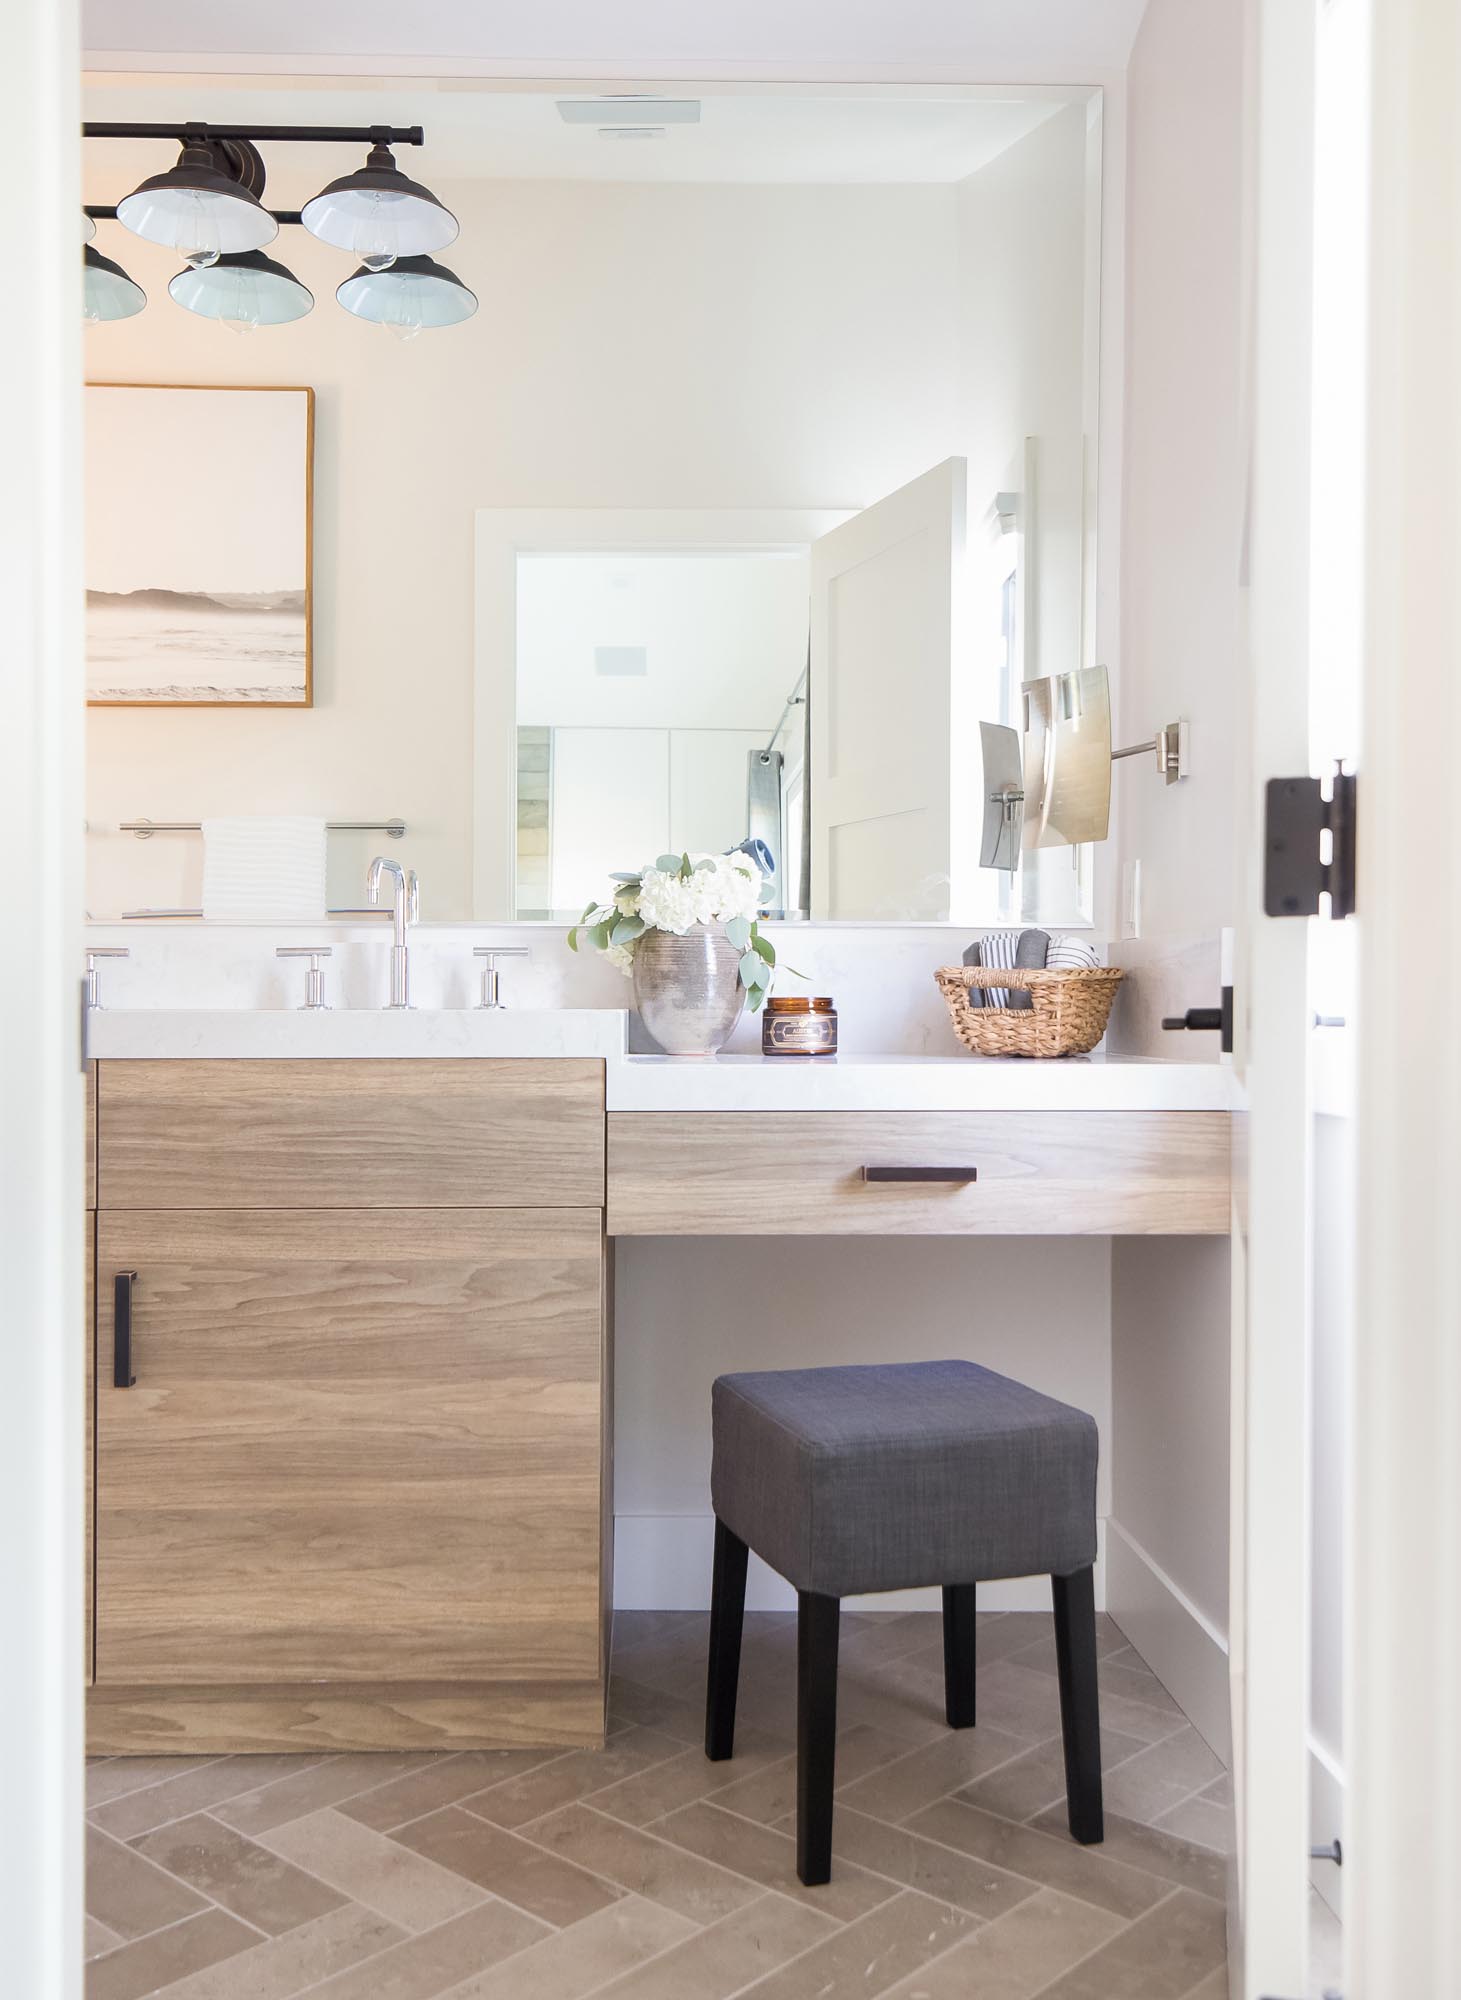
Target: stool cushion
927	1472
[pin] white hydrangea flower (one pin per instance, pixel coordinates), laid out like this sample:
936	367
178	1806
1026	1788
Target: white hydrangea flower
621	957
720	887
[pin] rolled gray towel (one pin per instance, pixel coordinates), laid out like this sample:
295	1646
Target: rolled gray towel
1031	953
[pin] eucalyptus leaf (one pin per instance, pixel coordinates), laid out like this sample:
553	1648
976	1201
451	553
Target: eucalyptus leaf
600	934
685	869
751	970
629	928
765	948
738	930
668	864
755	995
708	862
573	939
619	876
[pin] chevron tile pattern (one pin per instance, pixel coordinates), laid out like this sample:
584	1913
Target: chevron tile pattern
643	1872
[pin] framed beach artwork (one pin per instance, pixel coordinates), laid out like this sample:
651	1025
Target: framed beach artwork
198	508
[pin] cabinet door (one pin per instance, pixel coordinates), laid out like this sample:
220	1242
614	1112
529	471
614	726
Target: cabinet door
359	1447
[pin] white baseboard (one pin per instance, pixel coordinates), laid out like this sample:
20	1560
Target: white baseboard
1183	1648
1326	1822
662	1563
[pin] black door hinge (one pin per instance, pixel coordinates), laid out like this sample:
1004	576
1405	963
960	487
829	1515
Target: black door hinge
1309	845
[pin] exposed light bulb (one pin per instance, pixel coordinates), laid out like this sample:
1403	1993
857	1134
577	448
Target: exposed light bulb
197	233
377	240
403	317
241	314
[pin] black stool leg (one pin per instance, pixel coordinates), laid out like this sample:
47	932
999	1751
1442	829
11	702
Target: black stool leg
959	1654
816	1733
1080	1702
727	1610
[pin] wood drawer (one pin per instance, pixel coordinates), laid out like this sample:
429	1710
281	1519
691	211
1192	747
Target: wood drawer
357	1448
1040	1173
350	1134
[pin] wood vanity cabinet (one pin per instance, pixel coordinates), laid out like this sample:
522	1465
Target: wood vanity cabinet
354	1494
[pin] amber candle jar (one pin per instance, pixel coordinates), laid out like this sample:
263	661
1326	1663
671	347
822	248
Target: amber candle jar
799	1026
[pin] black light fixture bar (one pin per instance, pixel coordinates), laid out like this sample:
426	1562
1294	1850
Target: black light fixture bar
354	135
99	213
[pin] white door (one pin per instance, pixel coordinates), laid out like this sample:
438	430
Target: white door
890	736
1294	1205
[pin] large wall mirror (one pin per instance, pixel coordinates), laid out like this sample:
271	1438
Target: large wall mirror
765	474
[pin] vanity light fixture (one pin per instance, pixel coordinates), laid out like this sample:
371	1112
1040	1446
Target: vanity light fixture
412	293
379	215
205	207
88	228
107	291
244	291
208	207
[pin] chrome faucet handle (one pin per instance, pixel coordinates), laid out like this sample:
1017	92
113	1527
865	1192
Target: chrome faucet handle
491	986
93	953
314	980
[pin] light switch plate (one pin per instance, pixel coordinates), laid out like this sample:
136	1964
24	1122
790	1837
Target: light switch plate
1131	899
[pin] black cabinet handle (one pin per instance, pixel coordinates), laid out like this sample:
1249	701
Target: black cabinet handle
952	1176
122	1376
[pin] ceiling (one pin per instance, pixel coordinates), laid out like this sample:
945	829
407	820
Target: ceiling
1072	41
478	133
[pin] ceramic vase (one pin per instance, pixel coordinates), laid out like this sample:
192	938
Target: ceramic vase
688	989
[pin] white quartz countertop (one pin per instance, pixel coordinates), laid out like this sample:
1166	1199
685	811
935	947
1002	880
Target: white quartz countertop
668	1083
914	1083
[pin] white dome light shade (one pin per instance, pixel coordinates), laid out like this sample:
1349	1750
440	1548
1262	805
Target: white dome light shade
414	293
379	215
198	209
107	291
245	291
88	227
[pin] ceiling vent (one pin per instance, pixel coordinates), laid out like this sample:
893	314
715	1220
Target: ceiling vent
621	661
640	116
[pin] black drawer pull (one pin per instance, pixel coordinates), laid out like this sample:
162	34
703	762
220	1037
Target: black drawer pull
951	1176
122	1376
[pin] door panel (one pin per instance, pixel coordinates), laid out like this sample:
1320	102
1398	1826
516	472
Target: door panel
359	1448
887	721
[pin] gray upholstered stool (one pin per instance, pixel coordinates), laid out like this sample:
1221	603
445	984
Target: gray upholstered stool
932	1472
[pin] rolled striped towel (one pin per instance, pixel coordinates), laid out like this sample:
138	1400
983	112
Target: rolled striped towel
1004	951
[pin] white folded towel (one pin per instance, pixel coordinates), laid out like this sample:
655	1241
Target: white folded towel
258	868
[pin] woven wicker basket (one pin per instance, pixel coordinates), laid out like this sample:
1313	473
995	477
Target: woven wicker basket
1067	1015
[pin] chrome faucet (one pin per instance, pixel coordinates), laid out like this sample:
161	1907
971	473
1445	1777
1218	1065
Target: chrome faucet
406	910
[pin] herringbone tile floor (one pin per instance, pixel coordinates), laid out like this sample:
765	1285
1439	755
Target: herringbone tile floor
643	1872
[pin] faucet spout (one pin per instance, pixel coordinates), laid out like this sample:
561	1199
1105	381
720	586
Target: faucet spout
405	905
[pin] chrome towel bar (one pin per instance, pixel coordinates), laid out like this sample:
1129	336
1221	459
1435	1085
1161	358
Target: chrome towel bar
145	828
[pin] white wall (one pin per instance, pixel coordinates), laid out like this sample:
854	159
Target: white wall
1181	521
725	639
672	346
1021	230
